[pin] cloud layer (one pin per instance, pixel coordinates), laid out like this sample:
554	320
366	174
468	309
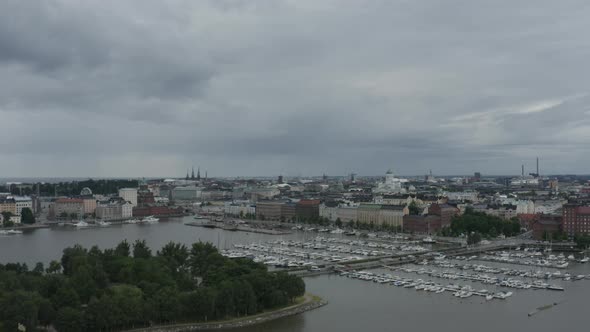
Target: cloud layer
268	87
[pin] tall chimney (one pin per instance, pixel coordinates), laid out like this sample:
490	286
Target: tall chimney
523	170
537	166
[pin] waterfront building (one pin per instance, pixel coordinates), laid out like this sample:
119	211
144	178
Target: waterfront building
347	213
145	196
328	210
308	209
89	205
288	211
66	208
239	208
423	224
392	215
109	210
545	228
368	213
22	202
129	195
576	219
269	210
7	204
446	213
126	210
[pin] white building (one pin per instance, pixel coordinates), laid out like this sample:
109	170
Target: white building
23	202
462	196
391	184
129	195
127	210
237	208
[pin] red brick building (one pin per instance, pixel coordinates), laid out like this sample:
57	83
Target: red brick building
428	224
162	211
308	209
576	219
446	212
544	227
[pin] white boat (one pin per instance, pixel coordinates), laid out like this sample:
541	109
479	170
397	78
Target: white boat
131	221
584	260
103	223
13	232
337	231
428	239
489	297
150	220
571	257
81	224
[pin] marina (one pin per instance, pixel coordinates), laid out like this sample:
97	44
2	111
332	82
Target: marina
342	292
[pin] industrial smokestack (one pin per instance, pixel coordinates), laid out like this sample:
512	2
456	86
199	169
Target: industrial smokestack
537	166
522	171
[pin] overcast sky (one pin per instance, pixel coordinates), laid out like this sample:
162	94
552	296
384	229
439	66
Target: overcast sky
298	87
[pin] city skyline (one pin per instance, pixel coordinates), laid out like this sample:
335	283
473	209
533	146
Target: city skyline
292	87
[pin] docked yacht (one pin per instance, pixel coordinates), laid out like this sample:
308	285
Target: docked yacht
103	223
13	232
428	239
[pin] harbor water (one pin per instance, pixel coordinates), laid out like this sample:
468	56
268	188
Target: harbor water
354	305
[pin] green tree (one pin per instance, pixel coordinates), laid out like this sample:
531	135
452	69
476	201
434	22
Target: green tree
26	216
6	222
414	209
473	238
69	320
54	267
141	249
123	249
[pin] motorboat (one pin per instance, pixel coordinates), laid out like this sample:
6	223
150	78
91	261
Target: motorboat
584	260
131	221
150	220
13	232
81	224
103	223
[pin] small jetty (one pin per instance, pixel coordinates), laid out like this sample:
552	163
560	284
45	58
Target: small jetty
239	228
544	307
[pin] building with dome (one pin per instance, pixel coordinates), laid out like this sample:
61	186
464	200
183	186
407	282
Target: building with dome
86	192
391	184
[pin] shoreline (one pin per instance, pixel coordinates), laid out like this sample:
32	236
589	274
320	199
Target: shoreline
310	302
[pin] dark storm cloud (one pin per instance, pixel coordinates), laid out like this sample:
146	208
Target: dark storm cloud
293	86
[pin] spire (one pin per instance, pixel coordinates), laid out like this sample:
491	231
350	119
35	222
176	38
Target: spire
205	175
186	175
199	173
193	173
